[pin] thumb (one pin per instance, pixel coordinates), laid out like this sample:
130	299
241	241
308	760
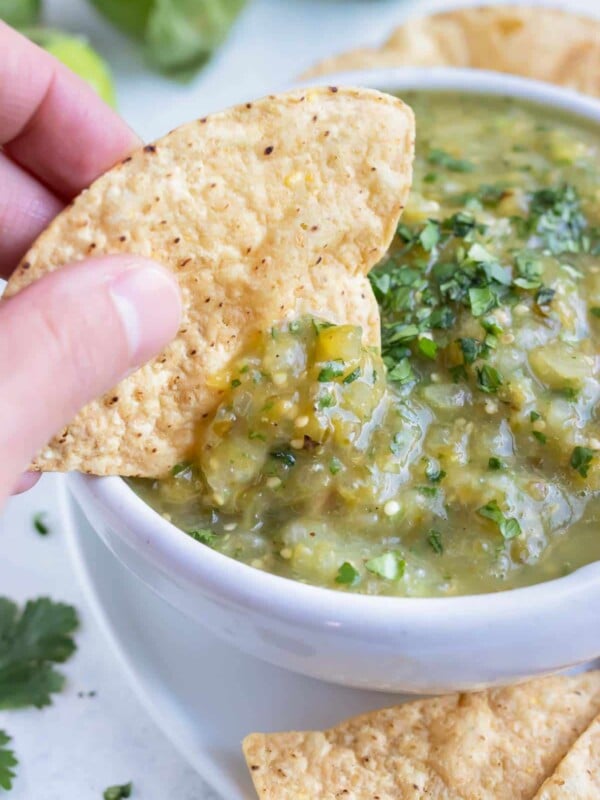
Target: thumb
70	337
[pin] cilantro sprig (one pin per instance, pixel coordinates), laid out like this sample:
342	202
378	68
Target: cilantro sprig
31	642
8	762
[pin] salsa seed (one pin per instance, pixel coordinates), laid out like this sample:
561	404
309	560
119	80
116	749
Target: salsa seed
273	482
279	378
301	422
521	309
285	553
230	526
297	444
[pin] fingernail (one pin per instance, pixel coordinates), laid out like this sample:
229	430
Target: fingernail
149	304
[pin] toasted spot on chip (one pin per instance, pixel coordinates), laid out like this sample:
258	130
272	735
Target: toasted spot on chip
211	186
500	744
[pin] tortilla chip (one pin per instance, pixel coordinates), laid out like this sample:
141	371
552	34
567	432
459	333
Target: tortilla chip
543	43
264	211
577	777
499	744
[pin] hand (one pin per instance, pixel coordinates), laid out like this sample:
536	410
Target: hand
75	333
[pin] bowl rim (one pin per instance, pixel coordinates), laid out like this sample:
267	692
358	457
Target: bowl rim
175	552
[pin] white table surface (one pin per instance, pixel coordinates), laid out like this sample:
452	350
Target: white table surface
80	745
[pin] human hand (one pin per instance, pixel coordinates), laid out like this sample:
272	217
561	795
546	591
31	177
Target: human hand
75	333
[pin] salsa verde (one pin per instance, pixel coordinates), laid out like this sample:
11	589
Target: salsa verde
465	456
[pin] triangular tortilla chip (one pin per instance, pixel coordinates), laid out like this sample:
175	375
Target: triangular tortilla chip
266	210
498	745
577	777
547	44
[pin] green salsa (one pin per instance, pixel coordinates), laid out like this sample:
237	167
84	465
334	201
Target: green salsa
465	456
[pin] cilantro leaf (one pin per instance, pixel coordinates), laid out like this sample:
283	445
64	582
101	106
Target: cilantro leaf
581	458
427	347
430	235
30	642
509	526
8	762
331	370
39	523
203	535
595	312
434	539
120	792
471	348
347	575
496	463
181	468
389	565
285	456
402	372
488	379
442	158
555	217
482	300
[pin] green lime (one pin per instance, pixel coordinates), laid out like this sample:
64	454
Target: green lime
78	56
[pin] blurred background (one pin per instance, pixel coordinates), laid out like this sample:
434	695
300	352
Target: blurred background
163	62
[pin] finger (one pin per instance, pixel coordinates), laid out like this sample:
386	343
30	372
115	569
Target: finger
26	208
70	337
52	122
25	482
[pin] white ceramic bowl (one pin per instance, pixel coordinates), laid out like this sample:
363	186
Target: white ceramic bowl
388	643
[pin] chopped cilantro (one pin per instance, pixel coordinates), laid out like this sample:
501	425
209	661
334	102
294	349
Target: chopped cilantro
509	527
121	792
388	565
434	539
444	159
569	392
235	383
555	217
430	491
40	524
472	349
433	473
430	235
204	535
8	762
335	465
257	435
581	458
496	463
352	376
326	401
427	347
541	437
402	372
458	372
545	296
534	416
180	468
33	640
331	370
488	379
529	269
490	325
347	575
482	300
285	456
442	318
595	312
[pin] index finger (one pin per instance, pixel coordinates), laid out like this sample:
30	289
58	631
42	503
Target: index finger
52	122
